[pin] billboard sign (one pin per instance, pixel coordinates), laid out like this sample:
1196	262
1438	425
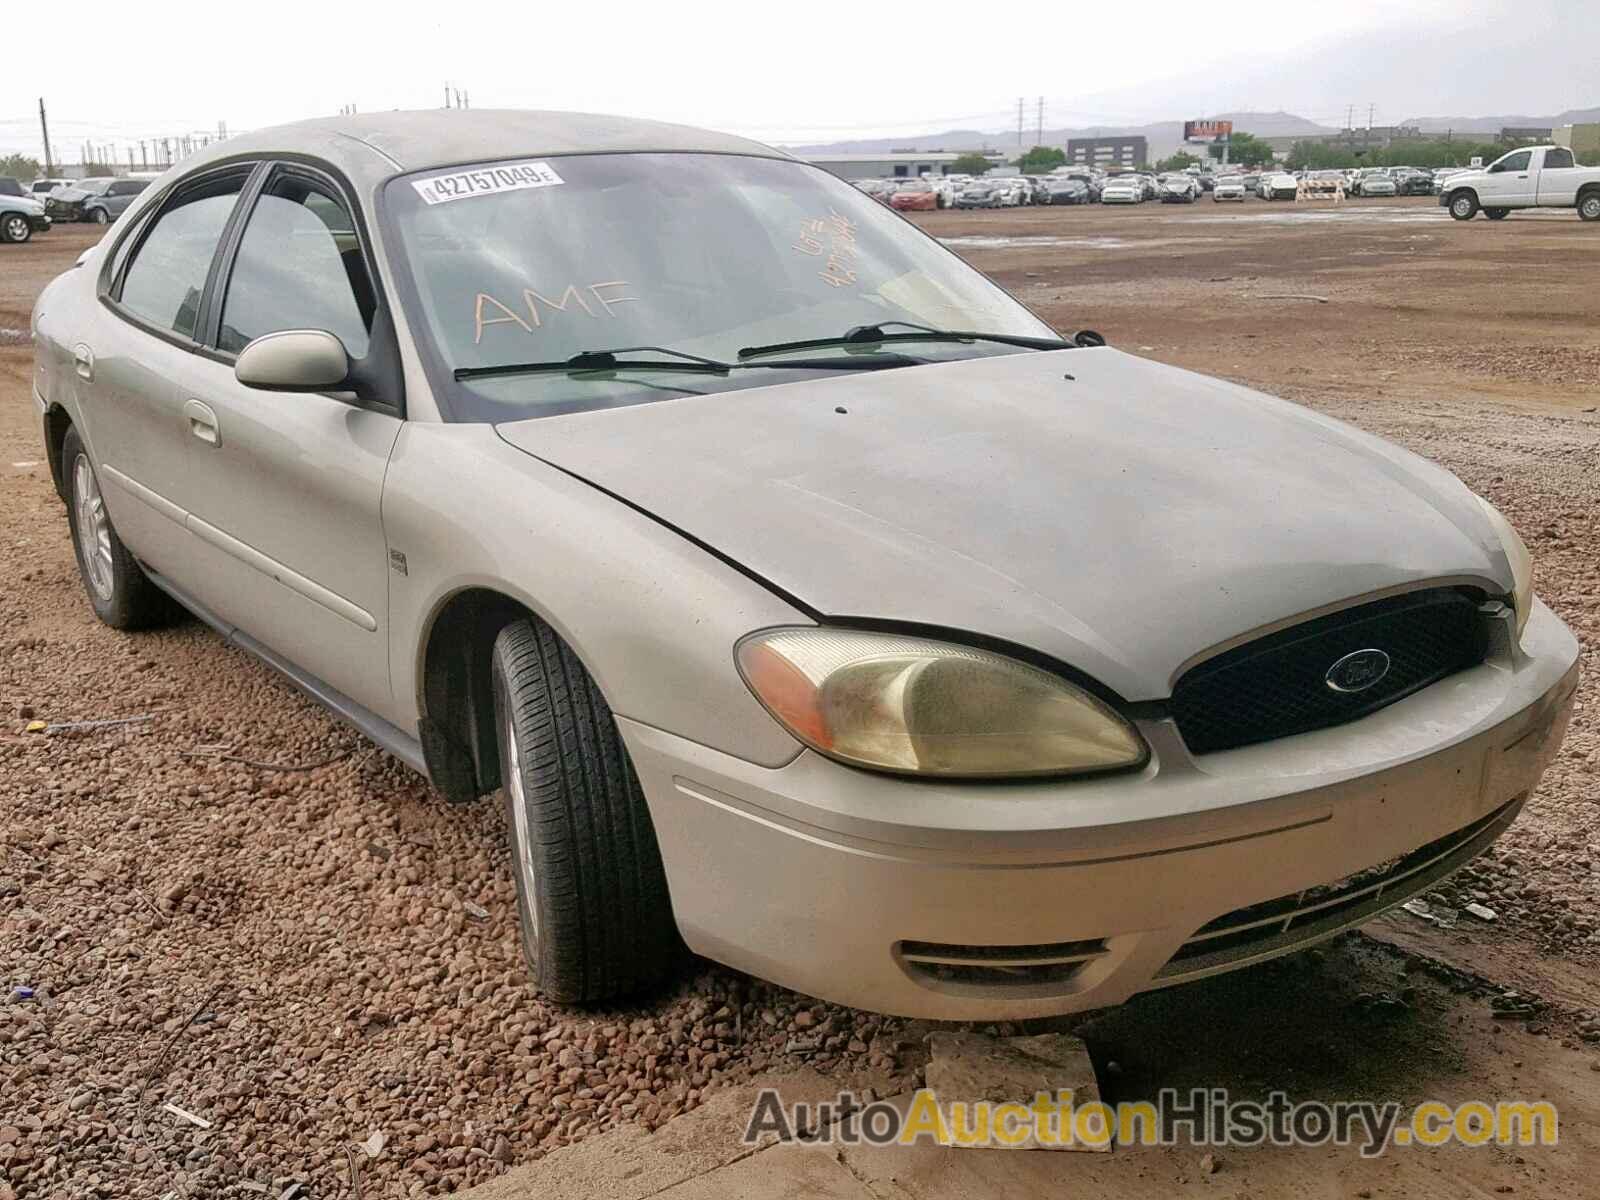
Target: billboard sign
1206	131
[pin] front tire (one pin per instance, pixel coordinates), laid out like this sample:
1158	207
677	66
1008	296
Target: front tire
1463	206
120	592
99	216
591	892
1589	206
15	228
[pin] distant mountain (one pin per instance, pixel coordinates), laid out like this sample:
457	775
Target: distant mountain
1573	116
1164	136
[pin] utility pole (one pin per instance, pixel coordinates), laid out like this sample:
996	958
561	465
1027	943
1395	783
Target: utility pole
447	95
1039	139
1019	125
44	128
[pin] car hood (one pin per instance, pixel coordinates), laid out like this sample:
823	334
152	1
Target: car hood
25	203
1118	515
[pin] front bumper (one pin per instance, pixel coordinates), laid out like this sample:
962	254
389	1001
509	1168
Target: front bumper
38	222
837	882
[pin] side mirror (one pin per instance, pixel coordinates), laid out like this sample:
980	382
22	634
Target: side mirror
295	360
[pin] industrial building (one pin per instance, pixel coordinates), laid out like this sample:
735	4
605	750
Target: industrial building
1582	140
904	164
1104	152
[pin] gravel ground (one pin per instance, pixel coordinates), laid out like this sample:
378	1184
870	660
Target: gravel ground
308	957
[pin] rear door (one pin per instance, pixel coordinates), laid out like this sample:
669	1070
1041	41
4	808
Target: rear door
121	193
133	349
284	490
1557	179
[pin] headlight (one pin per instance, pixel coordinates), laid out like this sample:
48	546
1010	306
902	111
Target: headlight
929	708
1521	563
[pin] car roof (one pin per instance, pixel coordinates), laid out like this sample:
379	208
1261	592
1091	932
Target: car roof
378	145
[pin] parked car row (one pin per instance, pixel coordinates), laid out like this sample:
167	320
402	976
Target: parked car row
1079	185
26	209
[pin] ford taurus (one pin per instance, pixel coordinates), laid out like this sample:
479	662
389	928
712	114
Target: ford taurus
811	602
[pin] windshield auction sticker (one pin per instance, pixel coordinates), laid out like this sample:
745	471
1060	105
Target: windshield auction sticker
486	181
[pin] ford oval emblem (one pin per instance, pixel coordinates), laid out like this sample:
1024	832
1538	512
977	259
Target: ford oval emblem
1357	671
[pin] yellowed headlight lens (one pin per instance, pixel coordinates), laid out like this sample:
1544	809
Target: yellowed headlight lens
1521	563
930	708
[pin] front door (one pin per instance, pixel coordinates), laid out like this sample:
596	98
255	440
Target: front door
1509	182
284	490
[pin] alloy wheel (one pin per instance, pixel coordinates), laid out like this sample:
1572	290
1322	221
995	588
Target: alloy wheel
16	229
94	528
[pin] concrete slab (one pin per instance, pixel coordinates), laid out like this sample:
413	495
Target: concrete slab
630	1164
781	1173
967	1069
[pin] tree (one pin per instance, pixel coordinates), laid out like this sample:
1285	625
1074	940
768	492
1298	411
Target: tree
1177	162
19	167
1244	150
1320	156
1042	159
970	164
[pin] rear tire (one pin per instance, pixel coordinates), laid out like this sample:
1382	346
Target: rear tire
1497	214
120	592
591	892
1463	206
1589	206
15	228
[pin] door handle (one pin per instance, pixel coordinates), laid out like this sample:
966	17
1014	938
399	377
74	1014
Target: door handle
202	422
83	362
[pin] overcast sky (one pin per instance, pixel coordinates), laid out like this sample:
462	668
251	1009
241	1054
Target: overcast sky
796	72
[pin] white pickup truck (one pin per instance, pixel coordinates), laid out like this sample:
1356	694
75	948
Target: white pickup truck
1537	177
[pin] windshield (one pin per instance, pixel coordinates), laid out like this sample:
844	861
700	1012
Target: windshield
537	261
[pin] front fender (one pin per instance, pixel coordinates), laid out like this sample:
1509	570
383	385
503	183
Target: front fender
653	617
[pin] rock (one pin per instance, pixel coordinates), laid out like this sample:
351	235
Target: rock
1209	1164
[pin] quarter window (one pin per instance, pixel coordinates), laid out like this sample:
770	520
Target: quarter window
1557	158
167	276
299	266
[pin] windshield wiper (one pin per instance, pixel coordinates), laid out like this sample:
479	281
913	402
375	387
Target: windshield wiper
604	360
607	360
863	335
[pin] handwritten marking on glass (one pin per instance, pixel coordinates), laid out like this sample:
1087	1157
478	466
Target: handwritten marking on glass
587	298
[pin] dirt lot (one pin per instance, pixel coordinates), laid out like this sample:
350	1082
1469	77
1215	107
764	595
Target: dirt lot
306	957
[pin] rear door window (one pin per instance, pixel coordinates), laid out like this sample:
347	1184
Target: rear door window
1554	159
166	278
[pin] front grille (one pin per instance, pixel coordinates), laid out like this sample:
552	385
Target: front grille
990	966
1288	923
1277	685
